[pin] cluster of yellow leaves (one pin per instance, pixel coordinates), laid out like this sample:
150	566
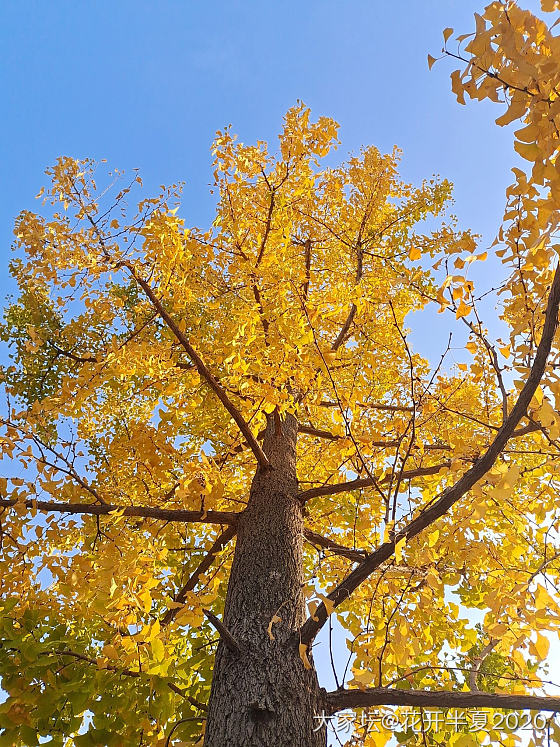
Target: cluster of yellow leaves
296	300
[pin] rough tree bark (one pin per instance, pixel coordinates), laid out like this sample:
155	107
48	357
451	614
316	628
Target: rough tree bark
262	695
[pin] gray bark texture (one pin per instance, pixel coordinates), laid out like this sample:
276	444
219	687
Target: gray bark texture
262	696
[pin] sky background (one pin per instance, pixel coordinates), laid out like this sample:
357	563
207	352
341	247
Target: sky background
146	85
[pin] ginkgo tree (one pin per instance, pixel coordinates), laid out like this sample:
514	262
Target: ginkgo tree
216	441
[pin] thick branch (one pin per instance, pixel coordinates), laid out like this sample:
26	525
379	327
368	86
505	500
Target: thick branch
329	436
366	482
309	430
307	246
204	372
341	337
374	406
452	494
376	696
478	662
203	566
318	432
317	539
267	226
147	512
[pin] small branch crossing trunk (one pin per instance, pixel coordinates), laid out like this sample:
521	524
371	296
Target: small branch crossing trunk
263	696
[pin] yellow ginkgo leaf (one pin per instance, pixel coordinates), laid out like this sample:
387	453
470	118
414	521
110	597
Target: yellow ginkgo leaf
529	151
414	253
399	549
462	310
303	656
362	678
273	620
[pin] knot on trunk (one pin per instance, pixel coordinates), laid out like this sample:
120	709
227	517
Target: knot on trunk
260	714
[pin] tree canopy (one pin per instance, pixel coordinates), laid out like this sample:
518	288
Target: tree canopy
148	357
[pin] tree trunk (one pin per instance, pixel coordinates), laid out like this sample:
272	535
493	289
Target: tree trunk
263	696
